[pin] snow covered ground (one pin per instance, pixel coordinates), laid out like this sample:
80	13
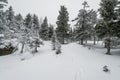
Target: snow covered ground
74	63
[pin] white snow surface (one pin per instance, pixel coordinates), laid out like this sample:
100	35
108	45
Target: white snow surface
74	63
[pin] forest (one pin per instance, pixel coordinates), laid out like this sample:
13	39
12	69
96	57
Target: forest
95	36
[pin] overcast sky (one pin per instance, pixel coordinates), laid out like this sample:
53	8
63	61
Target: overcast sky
50	8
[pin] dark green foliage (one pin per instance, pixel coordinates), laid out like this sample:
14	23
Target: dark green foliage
19	21
107	25
86	19
117	23
18	17
117	29
62	24
28	21
50	31
44	29
100	29
10	14
107	9
35	25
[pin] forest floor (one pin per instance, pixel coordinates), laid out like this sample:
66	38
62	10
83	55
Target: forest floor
76	62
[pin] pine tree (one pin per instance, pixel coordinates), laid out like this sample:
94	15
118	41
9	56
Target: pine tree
28	22
19	20
36	25
62	24
20	32
44	29
10	23
35	33
117	22
50	31
85	21
107	12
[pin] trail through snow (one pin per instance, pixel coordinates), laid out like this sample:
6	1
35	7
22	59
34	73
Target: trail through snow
74	63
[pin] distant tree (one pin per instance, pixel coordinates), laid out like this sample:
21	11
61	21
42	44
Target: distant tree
20	32
50	31
2	19
10	14
10	23
62	24
107	12
44	29
35	33
35	25
28	22
19	20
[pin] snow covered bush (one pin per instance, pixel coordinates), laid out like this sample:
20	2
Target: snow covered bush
7	47
58	47
34	43
53	40
105	68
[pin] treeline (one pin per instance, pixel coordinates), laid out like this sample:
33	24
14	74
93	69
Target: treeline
105	28
89	26
30	30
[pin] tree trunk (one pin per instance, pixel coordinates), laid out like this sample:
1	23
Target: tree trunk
62	41
94	40
81	41
108	51
108	47
36	49
54	48
105	46
23	44
86	41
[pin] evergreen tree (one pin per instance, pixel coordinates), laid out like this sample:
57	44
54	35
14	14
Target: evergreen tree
107	12
62	24
50	31
2	19
10	23
85	21
19	20
117	22
35	33
10	14
20	32
35	25
44	29
28	21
